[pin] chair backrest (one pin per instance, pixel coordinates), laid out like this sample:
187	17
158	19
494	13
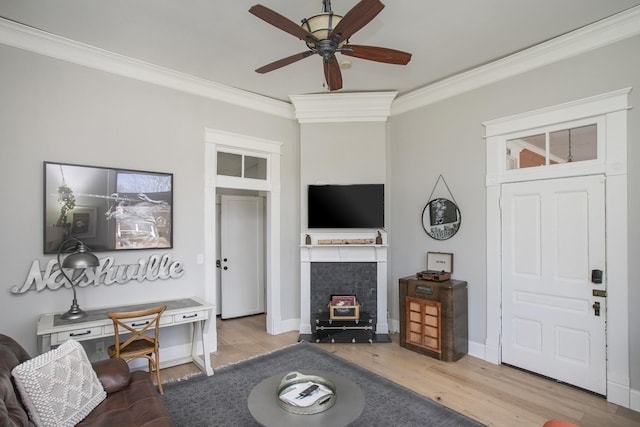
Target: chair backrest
138	330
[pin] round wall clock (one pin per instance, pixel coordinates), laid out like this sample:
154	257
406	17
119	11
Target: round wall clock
441	219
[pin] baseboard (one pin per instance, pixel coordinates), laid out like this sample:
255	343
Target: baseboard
282	326
634	401
477	350
394	326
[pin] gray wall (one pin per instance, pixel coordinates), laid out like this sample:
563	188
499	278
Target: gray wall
56	111
340	153
447	138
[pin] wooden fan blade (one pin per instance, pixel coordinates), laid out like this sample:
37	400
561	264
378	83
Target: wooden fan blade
284	61
332	74
378	54
359	16
279	21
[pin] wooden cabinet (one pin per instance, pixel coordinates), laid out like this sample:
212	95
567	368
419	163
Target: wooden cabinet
434	317
423	324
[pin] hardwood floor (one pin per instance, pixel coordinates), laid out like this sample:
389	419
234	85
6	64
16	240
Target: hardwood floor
493	395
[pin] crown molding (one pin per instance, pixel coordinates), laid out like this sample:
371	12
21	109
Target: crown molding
343	107
602	33
33	40
607	31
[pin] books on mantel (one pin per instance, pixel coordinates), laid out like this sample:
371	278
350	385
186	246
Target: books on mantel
305	394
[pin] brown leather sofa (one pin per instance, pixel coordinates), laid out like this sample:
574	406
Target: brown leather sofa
132	399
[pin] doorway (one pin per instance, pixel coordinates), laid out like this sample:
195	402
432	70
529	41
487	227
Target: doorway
608	112
251	164
240	245
553	307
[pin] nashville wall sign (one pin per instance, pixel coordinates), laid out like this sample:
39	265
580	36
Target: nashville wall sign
152	268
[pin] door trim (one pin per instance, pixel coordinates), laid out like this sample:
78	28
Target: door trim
272	150
613	108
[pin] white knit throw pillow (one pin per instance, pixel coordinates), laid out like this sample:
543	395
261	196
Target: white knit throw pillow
59	388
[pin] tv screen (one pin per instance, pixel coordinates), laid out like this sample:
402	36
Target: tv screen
346	206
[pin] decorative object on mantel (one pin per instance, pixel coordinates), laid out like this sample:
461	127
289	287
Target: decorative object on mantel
379	238
441	217
345	242
80	259
307	240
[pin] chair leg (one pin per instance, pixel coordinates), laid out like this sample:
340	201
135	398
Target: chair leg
157	363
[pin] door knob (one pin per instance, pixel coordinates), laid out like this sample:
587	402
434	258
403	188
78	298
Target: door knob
596	308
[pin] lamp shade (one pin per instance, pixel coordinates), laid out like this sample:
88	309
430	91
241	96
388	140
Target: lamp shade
321	26
81	258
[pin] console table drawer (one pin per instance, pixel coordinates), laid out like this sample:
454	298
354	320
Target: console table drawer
138	323
76	334
191	316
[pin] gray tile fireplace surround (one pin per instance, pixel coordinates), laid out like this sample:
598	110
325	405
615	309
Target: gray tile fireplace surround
344	278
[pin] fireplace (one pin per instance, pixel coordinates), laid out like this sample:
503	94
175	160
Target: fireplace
331	264
344	278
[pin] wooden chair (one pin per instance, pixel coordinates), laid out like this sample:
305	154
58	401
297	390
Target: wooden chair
139	345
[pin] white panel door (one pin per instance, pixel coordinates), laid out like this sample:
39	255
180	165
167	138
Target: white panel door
553	236
242	259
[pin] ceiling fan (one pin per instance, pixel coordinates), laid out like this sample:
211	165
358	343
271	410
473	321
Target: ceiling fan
328	33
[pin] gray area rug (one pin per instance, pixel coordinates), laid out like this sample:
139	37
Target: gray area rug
221	399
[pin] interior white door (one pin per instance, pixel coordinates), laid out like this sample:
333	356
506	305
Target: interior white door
553	236
242	261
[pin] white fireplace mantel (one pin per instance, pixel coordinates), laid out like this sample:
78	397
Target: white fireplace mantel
345	252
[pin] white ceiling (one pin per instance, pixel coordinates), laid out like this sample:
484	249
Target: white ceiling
222	42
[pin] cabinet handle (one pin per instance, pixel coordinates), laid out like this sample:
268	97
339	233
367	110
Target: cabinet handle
140	324
79	334
184	316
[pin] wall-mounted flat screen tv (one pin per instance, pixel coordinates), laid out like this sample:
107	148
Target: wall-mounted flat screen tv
346	206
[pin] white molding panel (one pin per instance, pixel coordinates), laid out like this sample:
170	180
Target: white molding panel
343	107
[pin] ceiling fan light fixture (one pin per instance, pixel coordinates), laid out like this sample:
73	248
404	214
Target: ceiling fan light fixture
326	34
321	26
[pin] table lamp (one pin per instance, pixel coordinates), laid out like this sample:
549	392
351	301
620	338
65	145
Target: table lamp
81	258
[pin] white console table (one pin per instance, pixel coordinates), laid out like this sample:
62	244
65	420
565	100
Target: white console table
53	330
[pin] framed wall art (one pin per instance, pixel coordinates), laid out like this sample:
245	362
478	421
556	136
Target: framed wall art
441	219
108	209
441	216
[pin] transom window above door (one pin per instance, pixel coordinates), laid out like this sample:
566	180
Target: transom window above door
241	165
553	147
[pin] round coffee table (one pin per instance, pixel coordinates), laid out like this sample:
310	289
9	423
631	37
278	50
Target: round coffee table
264	407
